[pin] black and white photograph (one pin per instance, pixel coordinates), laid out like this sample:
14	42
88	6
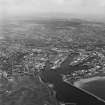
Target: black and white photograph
52	52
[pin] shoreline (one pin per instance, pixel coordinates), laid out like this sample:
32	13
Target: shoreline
81	82
78	84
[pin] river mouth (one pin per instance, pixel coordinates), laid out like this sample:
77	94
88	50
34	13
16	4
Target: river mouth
67	93
94	86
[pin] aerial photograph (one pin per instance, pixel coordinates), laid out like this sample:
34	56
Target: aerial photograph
52	52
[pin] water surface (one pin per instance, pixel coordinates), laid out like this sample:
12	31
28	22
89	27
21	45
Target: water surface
95	86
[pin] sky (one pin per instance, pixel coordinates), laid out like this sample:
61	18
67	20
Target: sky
80	7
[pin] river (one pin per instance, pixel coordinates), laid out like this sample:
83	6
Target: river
66	92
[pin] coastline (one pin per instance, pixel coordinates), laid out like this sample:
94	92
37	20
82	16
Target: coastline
78	84
81	82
